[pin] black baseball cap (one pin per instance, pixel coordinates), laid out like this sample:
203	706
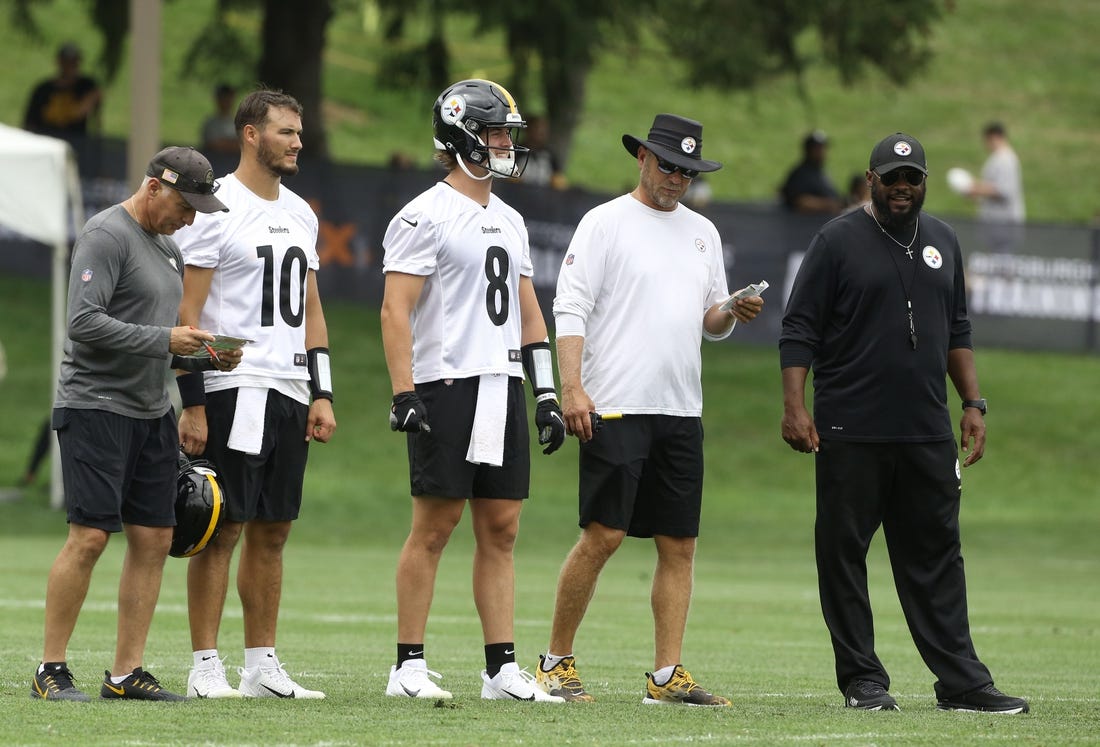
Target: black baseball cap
188	172
896	151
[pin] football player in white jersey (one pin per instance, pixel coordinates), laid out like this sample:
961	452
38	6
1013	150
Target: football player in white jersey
643	281
252	275
460	325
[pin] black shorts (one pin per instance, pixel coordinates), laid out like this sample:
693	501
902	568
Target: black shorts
118	470
265	486
437	460
644	474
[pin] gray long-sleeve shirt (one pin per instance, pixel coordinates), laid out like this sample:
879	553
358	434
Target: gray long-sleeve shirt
125	287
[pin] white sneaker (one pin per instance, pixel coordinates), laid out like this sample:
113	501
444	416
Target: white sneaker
273	682
412	680
513	683
208	681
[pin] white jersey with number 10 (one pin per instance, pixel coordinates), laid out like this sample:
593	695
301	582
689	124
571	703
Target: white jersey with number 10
260	252
467	320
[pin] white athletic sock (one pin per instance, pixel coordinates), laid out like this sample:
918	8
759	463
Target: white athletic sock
664	674
551	660
205	657
261	656
120	680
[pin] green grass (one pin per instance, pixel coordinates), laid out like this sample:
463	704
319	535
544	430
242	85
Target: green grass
1029	64
1030	522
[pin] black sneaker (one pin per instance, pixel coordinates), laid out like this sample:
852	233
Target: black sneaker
140	685
868	696
55	682
986	699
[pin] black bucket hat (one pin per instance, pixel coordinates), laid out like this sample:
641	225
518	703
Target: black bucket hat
675	139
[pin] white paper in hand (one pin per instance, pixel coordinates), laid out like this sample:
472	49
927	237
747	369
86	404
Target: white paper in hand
749	291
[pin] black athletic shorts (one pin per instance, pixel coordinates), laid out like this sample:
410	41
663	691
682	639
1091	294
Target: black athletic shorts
644	474
265	486
118	470
437	460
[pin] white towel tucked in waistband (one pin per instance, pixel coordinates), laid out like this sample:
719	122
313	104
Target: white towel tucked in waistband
490	417
247	433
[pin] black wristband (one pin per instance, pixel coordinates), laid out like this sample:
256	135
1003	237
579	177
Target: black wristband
192	388
320	373
190	364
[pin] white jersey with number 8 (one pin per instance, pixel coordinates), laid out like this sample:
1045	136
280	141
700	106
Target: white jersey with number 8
467	321
260	251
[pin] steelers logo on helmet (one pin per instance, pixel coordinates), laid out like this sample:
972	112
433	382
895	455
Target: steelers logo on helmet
903	148
200	507
452	110
464	119
688	145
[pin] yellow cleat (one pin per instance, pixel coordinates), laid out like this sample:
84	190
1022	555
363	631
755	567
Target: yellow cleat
680	689
562	680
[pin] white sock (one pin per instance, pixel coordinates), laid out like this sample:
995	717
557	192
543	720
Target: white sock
261	656
205	657
664	674
120	680
551	660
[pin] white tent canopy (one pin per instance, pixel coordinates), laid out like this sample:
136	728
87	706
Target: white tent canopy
40	198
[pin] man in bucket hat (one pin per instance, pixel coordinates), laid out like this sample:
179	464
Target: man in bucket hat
642	279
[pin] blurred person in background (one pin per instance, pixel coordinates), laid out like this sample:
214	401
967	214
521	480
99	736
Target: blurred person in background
65	105
807	188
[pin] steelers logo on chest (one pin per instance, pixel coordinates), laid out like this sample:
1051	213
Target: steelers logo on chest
932	257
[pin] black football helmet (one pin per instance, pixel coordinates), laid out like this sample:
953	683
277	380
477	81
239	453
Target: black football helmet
462	114
200	507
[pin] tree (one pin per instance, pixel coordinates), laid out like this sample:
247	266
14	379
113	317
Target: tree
744	42
565	37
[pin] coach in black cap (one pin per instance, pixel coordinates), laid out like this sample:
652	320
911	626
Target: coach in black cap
642	281
878	310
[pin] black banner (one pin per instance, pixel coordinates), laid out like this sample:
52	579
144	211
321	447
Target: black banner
1042	295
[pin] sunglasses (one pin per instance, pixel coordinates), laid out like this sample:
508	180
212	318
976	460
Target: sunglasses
670	168
913	177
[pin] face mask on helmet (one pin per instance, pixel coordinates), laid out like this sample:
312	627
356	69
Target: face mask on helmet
462	119
200	507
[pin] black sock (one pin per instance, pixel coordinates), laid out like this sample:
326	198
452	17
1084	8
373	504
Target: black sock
406	651
497	655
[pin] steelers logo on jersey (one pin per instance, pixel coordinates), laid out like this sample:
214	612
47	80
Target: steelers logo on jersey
932	257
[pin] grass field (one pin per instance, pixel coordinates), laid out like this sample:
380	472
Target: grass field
1029	64
1030	521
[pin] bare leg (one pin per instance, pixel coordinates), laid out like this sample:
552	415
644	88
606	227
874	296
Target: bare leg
671	597
138	590
207	585
577	582
496	523
67	586
433	520
260	579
